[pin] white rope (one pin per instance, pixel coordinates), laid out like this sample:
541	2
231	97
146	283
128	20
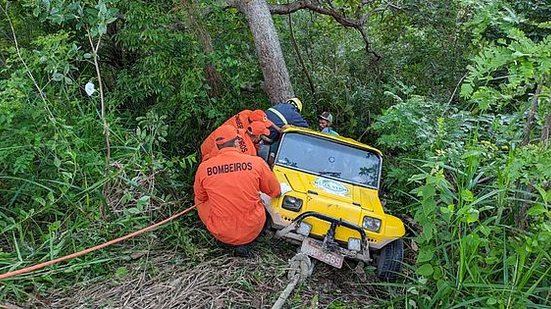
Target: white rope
286	293
300	268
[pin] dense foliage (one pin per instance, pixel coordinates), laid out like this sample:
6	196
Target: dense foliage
458	99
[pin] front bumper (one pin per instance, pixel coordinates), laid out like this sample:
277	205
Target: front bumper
329	243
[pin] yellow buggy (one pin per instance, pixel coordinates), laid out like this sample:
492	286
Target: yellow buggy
330	203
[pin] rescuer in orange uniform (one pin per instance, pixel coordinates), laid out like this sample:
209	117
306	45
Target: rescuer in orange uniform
227	190
240	121
247	142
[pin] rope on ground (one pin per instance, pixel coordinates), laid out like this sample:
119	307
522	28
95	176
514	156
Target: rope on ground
101	246
300	268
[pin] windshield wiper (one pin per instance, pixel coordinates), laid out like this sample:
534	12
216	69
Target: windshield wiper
333	174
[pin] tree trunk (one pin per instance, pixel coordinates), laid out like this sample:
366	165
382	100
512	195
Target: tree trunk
214	79
277	84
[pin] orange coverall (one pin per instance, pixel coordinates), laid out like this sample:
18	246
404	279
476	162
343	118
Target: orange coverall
244	144
242	119
241	122
227	195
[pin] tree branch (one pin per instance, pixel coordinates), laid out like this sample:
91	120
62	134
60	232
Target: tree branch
284	9
358	24
299	55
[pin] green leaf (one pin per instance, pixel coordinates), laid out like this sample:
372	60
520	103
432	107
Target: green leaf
143	202
485	230
426	254
437	274
102	29
133	210
472	215
52	227
425	270
57	77
40	200
466	90
67	175
545	25
51	197
428	231
536	210
545	195
101	7
467	195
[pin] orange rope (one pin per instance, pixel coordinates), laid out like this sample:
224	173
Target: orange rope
83	252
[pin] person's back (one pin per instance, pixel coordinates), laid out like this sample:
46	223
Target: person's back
227	190
287	113
240	121
247	141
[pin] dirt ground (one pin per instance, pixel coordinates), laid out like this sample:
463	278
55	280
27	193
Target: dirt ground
216	279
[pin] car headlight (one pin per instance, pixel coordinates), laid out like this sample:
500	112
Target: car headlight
372	224
292	203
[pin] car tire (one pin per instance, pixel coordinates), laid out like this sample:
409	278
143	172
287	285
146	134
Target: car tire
390	260
268	225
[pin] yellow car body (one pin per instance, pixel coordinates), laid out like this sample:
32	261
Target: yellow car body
335	180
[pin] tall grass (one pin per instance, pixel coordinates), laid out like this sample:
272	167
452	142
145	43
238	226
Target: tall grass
52	159
472	250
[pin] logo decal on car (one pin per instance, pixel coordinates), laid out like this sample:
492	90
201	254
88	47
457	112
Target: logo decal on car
331	186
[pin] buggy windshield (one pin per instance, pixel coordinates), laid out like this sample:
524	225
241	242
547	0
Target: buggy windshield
329	159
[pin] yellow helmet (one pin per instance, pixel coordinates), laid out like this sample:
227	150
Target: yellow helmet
296	102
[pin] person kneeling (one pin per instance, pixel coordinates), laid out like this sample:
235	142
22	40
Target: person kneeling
227	190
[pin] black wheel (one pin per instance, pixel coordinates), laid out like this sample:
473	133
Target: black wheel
390	260
268	228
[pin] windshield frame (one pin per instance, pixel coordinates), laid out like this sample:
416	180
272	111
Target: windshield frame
282	140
